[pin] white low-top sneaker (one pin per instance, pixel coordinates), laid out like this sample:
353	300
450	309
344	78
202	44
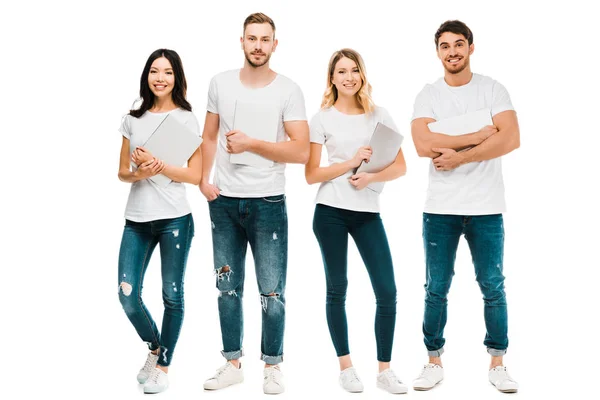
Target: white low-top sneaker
273	380
350	381
431	375
388	381
144	373
227	375
500	378
157	382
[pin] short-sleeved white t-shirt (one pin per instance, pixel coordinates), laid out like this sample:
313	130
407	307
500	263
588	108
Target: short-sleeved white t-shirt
282	94
148	201
343	135
476	188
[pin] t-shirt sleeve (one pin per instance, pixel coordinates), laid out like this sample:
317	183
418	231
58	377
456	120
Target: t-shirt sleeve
317	132
194	125
500	99
211	105
386	119
125	128
423	107
294	108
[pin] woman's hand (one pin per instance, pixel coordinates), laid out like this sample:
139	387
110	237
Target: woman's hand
140	156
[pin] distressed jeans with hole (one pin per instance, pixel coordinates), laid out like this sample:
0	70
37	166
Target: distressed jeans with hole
485	236
262	223
332	226
174	237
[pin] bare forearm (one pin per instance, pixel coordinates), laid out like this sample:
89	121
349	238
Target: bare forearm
291	151
209	148
435	140
324	174
493	147
390	173
128	176
182	174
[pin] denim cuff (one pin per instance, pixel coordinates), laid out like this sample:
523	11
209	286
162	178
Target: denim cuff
152	346
271	360
435	353
496	352
233	355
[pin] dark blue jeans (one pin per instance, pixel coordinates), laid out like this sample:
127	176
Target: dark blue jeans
332	226
261	222
485	236
139	240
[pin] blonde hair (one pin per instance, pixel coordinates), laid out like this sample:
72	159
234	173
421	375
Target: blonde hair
259	18
364	93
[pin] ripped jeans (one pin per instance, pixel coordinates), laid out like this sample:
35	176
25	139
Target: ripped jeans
139	240
261	222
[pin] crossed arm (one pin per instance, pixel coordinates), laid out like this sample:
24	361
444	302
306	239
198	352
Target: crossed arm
450	152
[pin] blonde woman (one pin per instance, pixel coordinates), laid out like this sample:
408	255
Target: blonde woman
346	206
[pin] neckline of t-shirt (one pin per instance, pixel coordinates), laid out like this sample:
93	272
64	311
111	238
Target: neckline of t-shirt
163	112
239	71
347	115
461	87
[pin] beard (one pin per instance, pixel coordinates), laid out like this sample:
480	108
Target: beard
459	69
257	64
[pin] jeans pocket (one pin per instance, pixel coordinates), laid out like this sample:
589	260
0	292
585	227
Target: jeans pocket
213	200
274	199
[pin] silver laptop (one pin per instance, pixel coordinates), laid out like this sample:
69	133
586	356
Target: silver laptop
174	143
385	143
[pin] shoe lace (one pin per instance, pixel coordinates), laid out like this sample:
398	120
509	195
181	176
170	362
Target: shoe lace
424	371
150	362
270	374
353	375
153	378
222	370
391	376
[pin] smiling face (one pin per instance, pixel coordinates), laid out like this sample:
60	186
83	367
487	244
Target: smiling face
454	51
258	44
161	78
346	77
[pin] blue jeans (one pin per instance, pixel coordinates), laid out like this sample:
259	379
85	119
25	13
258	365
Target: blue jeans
485	236
139	240
332	226
261	222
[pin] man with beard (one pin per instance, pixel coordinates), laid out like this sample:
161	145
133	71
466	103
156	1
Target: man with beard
465	196
247	202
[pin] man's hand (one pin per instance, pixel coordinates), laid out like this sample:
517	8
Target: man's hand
238	142
210	191
486	132
448	160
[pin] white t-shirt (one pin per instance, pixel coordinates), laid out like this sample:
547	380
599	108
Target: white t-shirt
283	94
476	188
148	201
342	135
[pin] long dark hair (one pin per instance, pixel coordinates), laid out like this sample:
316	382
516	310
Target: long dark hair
179	89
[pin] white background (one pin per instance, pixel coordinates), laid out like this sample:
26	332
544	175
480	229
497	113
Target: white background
71	70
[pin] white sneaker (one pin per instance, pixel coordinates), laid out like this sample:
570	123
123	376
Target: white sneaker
387	380
350	381
227	375
500	378
157	382
431	375
150	365
273	380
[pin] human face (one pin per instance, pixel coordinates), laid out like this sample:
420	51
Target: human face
346	77
454	51
258	44
161	78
